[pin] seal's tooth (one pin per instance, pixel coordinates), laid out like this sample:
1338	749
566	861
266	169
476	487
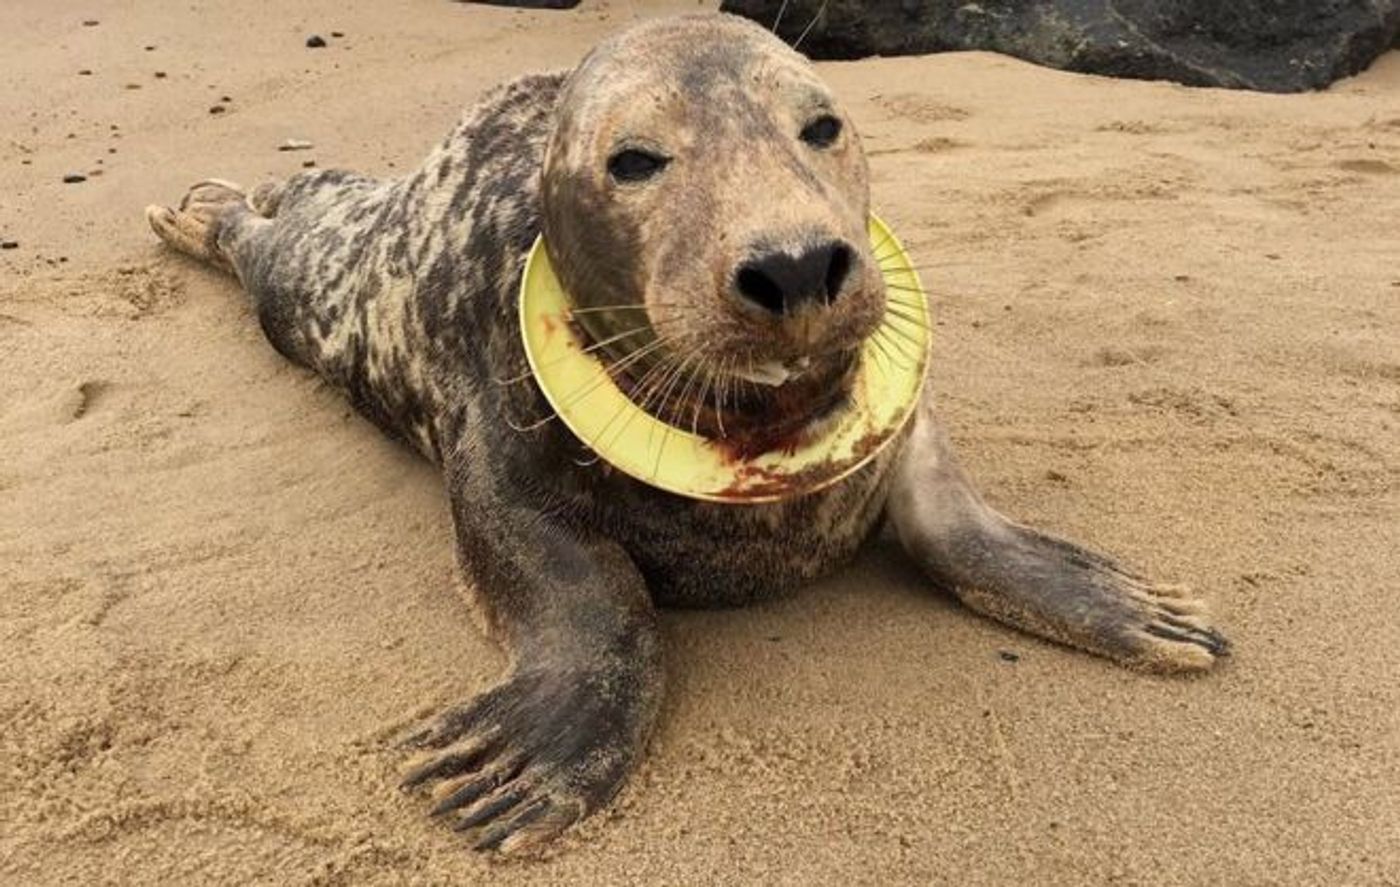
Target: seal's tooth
769	373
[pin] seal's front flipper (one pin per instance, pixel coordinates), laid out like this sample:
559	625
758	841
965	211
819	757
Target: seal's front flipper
1035	582
556	738
523	761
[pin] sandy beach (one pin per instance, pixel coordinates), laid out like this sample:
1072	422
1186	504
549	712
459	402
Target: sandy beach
1168	324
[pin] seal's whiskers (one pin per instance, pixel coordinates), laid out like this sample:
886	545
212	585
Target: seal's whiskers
644	385
899	287
880	349
797	44
592	384
665	405
701	396
778	19
627	306
515	380
883	335
899	316
692	377
903	334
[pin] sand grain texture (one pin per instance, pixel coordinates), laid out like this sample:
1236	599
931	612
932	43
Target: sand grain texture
1167	325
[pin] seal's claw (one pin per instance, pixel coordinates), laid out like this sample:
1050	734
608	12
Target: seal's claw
502	801
214	193
466	794
443	765
529	757
1086	600
531	824
193	228
1169	641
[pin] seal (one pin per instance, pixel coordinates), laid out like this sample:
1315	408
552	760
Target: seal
704	201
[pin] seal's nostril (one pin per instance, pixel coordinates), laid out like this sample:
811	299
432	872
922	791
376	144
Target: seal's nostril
761	289
784	283
837	271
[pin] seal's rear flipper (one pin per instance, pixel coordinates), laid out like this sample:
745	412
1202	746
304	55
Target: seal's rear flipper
1033	581
194	227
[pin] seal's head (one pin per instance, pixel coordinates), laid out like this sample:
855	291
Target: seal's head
705	205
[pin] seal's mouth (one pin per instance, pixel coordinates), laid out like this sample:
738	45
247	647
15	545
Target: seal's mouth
774	373
753	407
732	380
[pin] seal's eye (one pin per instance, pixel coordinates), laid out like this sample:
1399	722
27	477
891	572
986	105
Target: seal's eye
633	165
822	132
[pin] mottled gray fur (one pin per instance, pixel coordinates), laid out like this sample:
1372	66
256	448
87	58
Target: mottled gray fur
403	293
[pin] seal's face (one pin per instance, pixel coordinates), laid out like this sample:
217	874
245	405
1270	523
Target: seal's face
705	204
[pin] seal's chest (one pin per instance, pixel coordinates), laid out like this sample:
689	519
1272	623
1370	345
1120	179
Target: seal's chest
708	555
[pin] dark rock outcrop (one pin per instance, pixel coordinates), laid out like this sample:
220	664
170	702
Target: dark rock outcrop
1268	45
528	4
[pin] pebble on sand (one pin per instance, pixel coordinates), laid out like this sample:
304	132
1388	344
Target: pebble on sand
315	41
74	178
295	145
9	244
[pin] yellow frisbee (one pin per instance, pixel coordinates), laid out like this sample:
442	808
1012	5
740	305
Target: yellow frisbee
589	402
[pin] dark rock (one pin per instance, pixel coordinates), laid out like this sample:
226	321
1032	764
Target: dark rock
74	178
1009	656
9	244
1267	45
217	109
85	72
527	4
337	34
315	41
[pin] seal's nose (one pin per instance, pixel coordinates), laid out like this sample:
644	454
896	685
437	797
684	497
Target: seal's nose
782	283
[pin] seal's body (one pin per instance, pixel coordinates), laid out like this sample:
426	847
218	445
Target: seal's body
694	175
403	293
